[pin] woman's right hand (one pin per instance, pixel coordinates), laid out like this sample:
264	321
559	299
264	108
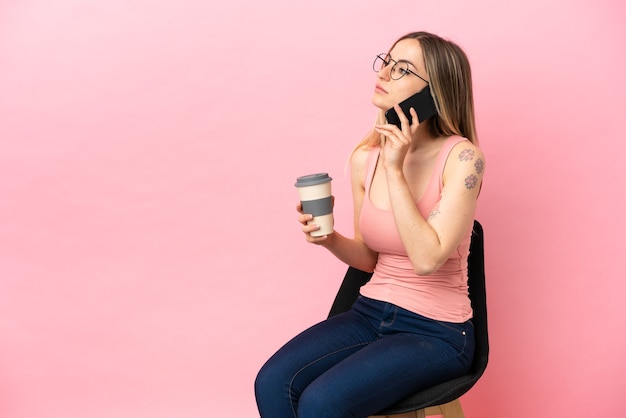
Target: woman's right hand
304	218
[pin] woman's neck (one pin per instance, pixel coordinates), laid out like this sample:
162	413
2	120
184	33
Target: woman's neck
422	140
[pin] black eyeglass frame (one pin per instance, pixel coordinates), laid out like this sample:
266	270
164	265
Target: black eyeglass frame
386	58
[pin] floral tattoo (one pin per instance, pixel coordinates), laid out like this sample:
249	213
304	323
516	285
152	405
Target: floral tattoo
471	181
466	155
479	165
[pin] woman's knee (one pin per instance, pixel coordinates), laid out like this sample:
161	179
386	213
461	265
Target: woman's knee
271	397
321	401
311	405
268	380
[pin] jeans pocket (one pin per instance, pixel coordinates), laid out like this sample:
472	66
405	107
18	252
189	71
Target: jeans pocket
454	327
458	334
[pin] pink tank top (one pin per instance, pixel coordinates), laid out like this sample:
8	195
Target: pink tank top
442	295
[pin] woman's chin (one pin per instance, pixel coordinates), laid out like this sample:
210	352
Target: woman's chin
380	104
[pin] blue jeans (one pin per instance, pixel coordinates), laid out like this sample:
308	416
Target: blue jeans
359	362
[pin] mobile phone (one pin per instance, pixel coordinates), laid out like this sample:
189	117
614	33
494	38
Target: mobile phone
421	101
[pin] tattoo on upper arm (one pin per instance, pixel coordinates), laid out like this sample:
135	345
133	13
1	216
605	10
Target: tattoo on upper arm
469	154
479	165
466	155
471	181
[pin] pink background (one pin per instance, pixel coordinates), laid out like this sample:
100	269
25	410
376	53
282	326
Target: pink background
150	258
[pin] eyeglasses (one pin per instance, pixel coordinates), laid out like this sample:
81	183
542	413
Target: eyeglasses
398	70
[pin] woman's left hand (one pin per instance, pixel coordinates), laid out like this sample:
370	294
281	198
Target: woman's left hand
395	142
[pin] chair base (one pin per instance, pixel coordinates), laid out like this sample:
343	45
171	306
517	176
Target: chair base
447	410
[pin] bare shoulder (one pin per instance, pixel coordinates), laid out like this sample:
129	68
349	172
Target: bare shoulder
467	163
358	163
359	157
467	154
467	151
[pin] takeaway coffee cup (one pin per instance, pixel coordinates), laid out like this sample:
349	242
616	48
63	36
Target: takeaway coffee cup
315	195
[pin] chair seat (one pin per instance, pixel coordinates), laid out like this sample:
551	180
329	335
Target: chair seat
442	393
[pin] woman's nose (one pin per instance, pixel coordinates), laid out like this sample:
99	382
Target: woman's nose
385	73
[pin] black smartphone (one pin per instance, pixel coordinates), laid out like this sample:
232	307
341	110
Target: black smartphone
423	104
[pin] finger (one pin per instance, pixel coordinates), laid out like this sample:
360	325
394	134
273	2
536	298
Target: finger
389	133
407	126
310	238
316	240
404	120
400	113
308	228
387	129
415	119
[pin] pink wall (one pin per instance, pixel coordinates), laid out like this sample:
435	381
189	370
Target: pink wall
150	260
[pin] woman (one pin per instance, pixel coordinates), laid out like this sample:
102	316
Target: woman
414	191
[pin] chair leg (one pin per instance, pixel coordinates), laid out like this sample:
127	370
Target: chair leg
413	414
452	409
447	410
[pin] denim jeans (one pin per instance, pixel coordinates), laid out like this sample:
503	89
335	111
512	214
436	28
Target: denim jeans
359	362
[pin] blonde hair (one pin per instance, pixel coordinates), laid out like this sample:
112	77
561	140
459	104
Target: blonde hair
451	86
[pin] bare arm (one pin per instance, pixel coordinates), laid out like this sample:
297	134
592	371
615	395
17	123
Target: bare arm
430	242
353	252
